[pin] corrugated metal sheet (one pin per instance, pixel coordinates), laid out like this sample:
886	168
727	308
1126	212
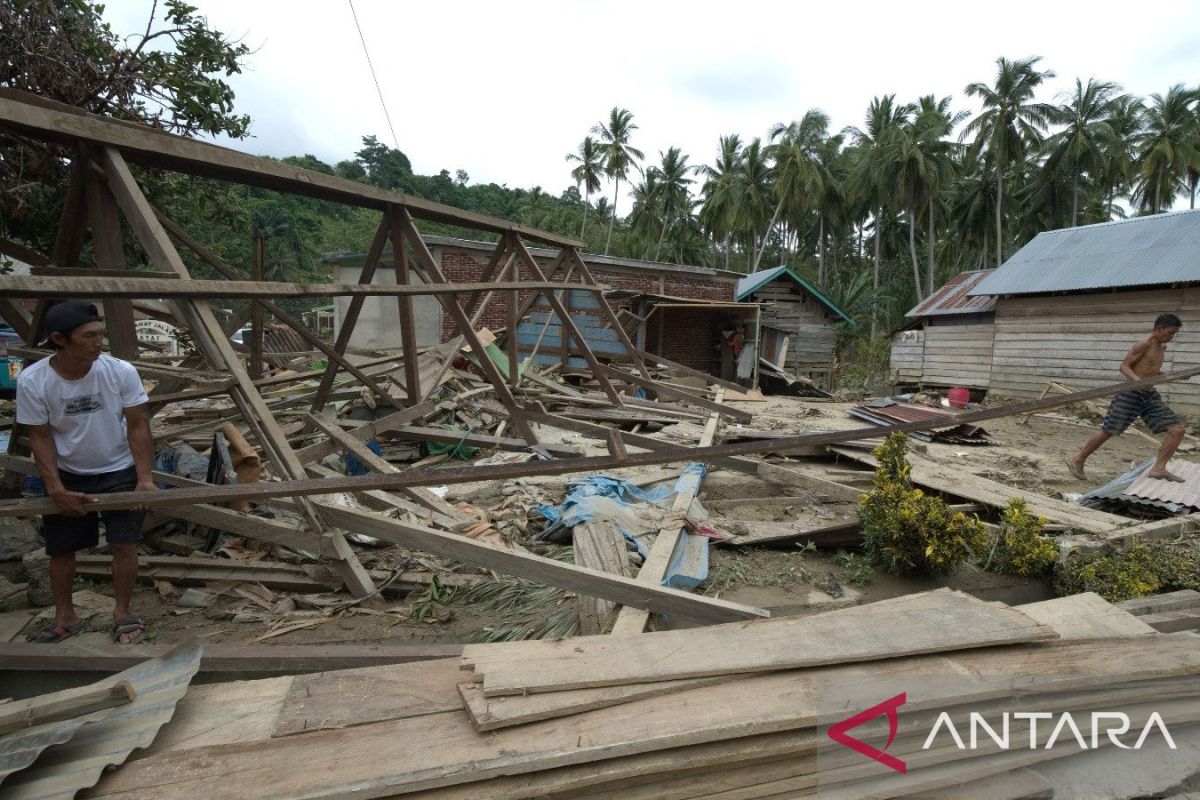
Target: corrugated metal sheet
1144	251
955	297
1117	491
65	768
1184	494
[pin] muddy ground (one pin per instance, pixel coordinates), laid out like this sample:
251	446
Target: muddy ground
788	581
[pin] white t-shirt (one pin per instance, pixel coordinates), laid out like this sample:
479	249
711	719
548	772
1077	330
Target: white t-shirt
86	416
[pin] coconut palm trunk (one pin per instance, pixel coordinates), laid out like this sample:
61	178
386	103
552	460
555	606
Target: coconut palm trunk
875	284
767	235
613	218
821	249
999	207
929	269
1075	201
587	201
912	250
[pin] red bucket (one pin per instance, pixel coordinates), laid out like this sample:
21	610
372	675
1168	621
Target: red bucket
959	397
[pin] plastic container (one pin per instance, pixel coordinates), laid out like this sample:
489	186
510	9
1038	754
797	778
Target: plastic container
959	397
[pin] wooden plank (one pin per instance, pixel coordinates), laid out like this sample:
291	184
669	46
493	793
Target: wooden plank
1155	604
1086	616
349	697
762	534
687	398
543	570
670	537
933	622
369	430
192	289
414	433
54	121
495	713
67	704
600	546
13	622
198	571
25	508
992	493
280	659
444	750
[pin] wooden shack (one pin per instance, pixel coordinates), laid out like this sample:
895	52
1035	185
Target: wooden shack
949	342
1071	303
799	323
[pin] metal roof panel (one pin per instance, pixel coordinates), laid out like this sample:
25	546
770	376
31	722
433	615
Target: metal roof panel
955	297
1158	250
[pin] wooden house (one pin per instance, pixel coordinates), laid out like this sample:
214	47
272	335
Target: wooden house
799	323
949	341
1071	303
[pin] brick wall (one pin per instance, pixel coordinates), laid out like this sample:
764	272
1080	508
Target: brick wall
691	336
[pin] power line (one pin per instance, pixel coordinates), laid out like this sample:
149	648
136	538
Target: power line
362	39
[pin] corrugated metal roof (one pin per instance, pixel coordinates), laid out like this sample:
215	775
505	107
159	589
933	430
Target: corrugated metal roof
63	769
756	280
955	298
1159	250
1184	494
1117	491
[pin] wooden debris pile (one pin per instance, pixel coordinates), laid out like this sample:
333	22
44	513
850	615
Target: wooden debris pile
864	702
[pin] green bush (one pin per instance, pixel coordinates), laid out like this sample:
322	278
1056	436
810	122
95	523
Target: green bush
907	531
1137	571
1019	548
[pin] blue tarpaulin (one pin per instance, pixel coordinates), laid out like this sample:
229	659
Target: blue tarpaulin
635	512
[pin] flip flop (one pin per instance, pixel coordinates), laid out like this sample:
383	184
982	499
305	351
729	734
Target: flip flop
128	626
55	633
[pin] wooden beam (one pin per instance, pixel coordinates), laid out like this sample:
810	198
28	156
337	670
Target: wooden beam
370	430
484	440
52	121
258	255
211	339
96	272
613	321
191	289
408	328
543	570
67	704
690	371
304	333
683	396
453	306
277	659
26	508
670	536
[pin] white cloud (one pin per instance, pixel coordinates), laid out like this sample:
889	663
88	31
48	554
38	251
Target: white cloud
505	90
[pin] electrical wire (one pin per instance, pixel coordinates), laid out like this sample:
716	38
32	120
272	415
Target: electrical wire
375	78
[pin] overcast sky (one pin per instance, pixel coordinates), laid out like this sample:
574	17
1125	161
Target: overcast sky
504	90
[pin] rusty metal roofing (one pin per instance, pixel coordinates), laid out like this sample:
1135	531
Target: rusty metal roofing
1159	250
65	768
1184	494
954	297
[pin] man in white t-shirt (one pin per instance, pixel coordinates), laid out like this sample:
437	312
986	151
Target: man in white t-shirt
85	413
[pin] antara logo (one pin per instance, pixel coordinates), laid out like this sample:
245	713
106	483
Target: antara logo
891	707
1065	728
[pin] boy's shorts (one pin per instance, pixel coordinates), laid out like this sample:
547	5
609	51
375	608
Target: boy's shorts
65	534
1145	403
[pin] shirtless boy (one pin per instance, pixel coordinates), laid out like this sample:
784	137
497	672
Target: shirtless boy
1143	361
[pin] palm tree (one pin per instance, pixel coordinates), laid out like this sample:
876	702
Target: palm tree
920	156
1125	118
831	195
673	201
1166	149
719	194
753	189
868	180
1009	124
587	174
619	155
794	149
1079	147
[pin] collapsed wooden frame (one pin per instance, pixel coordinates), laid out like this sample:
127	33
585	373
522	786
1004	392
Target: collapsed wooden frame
103	195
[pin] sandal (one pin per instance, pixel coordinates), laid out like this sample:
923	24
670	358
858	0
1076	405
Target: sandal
132	627
55	633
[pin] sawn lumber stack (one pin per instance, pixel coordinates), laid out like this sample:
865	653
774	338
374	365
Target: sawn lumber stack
740	710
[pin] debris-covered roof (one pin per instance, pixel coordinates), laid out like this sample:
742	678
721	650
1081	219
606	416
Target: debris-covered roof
1159	250
756	280
954	297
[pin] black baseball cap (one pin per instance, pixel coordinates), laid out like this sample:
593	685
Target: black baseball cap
66	317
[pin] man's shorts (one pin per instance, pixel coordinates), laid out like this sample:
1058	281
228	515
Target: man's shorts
65	534
1145	403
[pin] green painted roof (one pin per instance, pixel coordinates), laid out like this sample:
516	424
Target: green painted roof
756	280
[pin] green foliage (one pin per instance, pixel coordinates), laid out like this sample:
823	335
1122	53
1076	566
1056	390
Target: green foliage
1019	548
906	531
1137	571
869	359
856	567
